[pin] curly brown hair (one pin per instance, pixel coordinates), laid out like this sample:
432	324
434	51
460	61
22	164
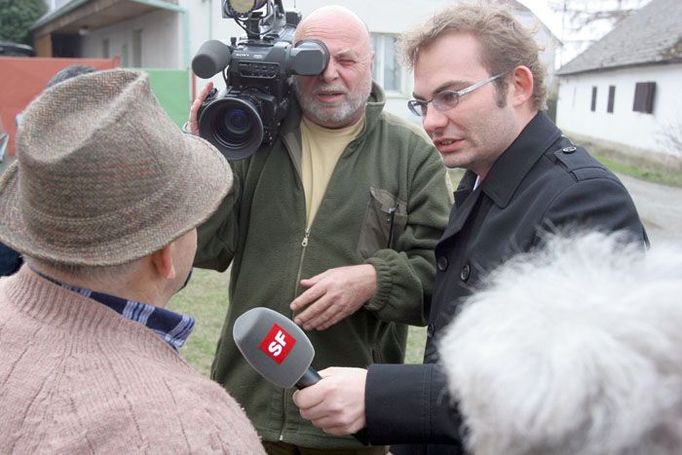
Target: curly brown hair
505	43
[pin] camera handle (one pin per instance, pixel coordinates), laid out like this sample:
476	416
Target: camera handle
256	24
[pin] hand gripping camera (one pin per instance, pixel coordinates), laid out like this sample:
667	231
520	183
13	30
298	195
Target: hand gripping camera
257	70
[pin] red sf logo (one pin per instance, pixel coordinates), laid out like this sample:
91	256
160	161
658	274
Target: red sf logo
277	344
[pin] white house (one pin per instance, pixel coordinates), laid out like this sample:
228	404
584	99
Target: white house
166	34
625	89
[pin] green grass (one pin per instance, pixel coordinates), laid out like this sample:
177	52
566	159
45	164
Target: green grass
641	168
205	298
651	167
647	172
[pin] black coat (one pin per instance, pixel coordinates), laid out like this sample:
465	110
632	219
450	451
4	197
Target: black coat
541	183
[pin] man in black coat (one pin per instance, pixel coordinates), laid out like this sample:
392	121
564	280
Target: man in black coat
479	86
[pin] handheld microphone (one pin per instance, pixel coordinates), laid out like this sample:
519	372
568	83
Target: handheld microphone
276	348
279	350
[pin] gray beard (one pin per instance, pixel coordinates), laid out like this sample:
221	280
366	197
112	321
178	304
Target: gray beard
337	116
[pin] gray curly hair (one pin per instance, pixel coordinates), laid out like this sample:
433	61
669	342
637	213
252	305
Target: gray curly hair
576	349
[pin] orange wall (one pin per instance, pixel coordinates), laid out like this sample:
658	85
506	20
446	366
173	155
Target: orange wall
22	78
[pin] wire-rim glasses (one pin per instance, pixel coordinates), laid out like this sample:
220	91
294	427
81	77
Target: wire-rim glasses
447	99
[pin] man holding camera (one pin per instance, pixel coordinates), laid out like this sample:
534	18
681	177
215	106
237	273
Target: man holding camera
334	225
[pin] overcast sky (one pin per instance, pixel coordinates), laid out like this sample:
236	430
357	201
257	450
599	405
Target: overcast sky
546	15
575	41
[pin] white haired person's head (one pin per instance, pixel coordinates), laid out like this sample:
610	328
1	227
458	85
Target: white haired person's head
574	349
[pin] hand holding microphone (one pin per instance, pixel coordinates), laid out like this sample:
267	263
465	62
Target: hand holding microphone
337	404
282	353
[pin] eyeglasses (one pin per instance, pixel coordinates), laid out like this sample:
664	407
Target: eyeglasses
446	99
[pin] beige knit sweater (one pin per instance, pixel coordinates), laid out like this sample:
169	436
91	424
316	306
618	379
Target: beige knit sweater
76	377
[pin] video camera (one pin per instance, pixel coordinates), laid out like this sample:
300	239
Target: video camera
257	70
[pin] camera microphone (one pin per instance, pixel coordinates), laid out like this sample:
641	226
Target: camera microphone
211	58
279	350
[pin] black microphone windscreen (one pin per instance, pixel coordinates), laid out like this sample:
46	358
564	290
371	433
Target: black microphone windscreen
213	56
273	345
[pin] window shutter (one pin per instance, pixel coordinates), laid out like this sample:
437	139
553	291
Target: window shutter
644	97
612	96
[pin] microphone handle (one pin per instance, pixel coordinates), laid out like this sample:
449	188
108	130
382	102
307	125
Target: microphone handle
310	377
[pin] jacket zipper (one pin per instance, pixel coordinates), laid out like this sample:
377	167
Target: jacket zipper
304	244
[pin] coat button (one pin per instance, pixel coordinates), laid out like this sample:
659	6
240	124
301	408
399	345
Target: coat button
430	330
465	272
570	149
442	263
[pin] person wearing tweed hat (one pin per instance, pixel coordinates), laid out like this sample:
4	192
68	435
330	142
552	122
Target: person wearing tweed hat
103	203
10	260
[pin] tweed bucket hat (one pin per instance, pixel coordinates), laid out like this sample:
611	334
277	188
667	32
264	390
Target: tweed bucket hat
103	176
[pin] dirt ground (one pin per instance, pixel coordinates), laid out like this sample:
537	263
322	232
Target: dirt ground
659	206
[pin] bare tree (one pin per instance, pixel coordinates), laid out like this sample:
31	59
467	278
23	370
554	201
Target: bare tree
585	21
578	14
670	138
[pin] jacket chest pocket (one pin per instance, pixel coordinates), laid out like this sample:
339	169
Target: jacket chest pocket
384	222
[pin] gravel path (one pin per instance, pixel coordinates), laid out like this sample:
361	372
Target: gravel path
659	206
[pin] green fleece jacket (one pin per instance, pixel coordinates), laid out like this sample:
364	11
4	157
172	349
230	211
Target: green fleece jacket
261	229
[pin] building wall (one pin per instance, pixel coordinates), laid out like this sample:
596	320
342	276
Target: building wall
381	17
170	39
170	88
160	35
624	126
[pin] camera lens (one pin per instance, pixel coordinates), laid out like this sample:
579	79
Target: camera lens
236	125
233	125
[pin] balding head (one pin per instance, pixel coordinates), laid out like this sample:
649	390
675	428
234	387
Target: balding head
337	97
336	21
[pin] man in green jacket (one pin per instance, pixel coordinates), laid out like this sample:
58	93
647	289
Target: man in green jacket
333	225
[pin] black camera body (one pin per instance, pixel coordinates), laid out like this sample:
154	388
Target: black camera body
257	95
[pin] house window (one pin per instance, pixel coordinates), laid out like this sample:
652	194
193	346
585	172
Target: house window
387	72
612	97
644	97
105	48
593	104
137	48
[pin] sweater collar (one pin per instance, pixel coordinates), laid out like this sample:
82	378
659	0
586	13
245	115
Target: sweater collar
173	328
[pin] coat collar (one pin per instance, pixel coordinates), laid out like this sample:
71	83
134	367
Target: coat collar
465	187
465	201
512	166
507	172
